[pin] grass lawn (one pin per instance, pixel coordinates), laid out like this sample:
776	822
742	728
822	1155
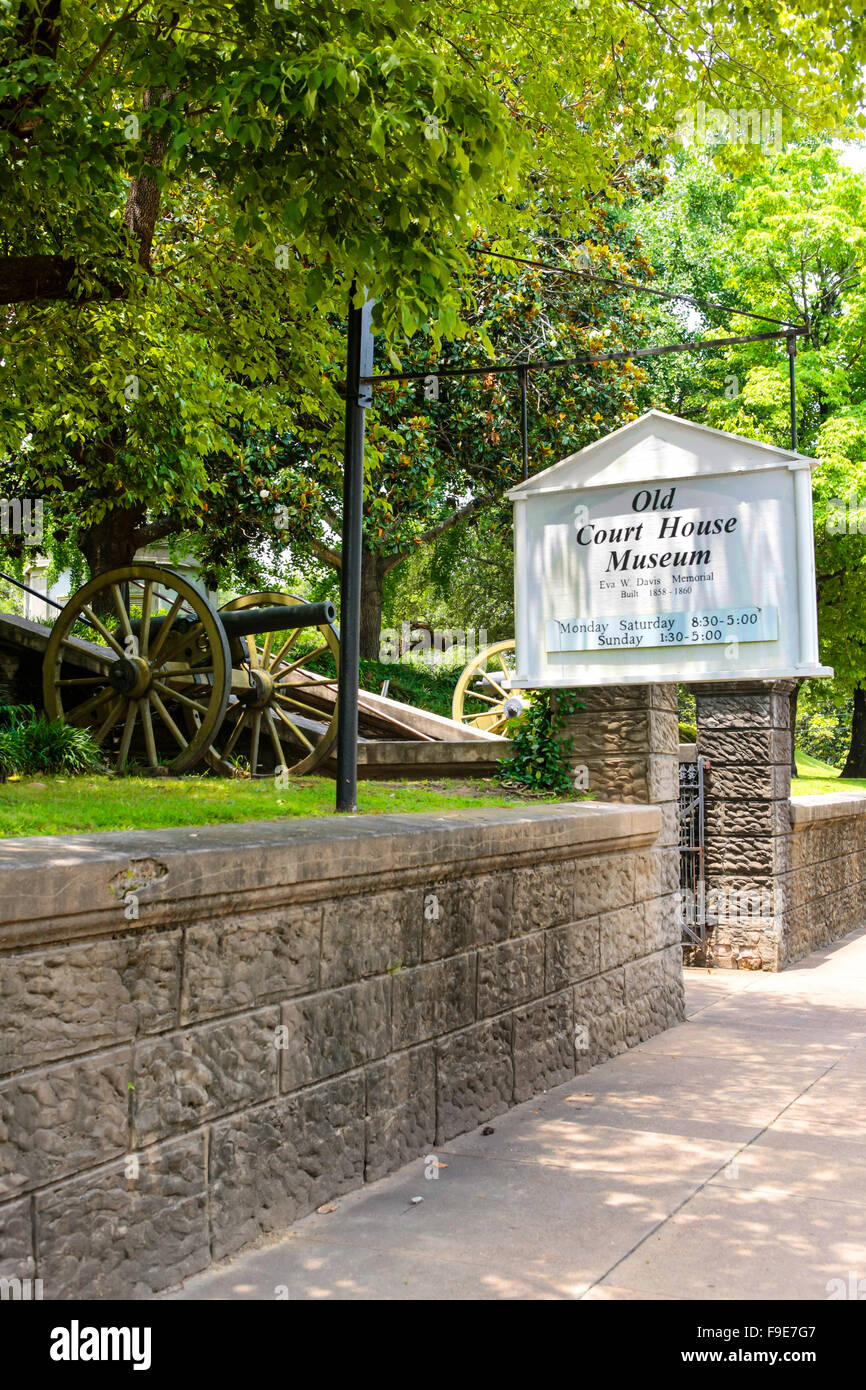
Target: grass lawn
62	806
74	805
817	778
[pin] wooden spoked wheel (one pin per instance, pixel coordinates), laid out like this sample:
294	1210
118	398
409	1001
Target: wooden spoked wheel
148	670
282	712
482	698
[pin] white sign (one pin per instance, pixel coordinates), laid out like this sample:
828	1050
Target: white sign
666	551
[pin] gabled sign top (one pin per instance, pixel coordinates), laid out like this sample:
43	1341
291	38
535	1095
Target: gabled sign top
659	446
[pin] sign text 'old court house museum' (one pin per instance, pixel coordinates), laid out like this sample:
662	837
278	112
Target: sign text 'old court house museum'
666	551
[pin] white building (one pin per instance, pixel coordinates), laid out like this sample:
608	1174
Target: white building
61	589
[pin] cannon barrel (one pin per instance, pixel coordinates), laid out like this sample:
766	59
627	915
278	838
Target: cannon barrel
246	622
182	623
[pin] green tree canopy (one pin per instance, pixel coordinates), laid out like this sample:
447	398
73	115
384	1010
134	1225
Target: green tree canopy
787	240
195	188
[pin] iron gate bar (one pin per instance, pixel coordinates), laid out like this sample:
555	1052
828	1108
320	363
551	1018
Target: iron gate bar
691	848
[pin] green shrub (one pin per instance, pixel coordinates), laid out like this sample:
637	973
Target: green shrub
686	705
11	719
539	759
30	743
8	754
13	716
688	732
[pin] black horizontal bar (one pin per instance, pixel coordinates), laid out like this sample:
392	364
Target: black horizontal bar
636	285
43	598
544	365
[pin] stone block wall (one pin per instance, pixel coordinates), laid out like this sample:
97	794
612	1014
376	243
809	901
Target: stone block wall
783	875
744	731
827	887
207	1034
627	739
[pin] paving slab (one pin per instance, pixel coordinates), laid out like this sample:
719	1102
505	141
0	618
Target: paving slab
774	1171
320	1271
642	1157
707	987
723	1159
714	1036
833	1105
654	1092
520	1224
747	1244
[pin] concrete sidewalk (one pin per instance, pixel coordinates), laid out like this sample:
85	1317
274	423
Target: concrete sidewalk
724	1159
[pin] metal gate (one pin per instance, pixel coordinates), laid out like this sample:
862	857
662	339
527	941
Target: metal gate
693	913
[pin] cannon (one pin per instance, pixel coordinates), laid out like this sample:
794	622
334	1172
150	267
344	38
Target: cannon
483	698
162	678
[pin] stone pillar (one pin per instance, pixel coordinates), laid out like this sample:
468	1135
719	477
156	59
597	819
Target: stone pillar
627	738
744	732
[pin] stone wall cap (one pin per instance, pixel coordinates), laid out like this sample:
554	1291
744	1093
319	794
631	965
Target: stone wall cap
54	887
806	810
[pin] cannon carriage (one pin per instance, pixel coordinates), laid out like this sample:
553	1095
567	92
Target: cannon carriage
162	678
483	698
166	683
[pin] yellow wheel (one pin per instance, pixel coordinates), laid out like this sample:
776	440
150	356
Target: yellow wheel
282	712
149	669
482	698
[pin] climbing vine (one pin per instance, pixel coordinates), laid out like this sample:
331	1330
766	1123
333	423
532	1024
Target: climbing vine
540	760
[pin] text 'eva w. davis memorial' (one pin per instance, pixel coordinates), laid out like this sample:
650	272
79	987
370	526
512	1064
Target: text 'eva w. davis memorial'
666	551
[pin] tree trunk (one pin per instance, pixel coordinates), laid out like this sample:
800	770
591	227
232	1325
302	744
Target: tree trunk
142	200
855	763
109	543
112	541
372	581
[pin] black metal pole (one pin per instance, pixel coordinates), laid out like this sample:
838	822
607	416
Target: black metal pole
792	381
792	378
524	420
359	363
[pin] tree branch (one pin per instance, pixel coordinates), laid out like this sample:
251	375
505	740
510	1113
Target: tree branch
27	278
325	553
391	561
153	531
